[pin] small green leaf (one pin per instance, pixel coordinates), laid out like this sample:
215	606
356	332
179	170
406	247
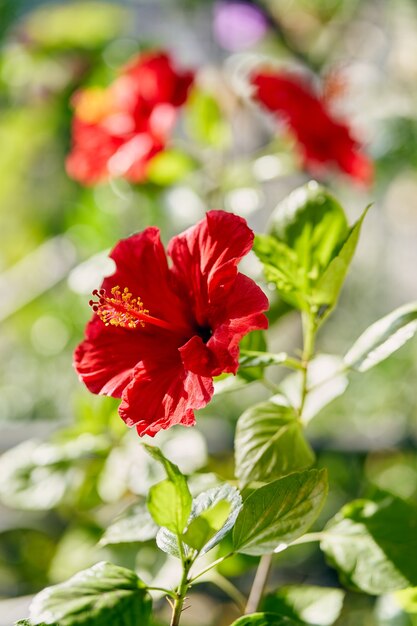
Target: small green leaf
281	266
315	606
168	506
370	544
207	524
104	595
169	167
264	619
270	443
205	506
169	501
309	249
383	338
327	289
280	512
312	223
135	525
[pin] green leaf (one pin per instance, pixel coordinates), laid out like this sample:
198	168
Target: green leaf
315	606
281	266
205	508
169	167
264	619
168	506
204	120
328	287
280	512
370	544
309	249
203	527
270	443
104	595
383	338
169	502
312	223
254	341
135	525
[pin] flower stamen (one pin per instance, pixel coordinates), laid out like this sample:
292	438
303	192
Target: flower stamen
119	309
123	309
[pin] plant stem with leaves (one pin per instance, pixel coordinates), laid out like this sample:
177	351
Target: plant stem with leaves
265	564
181	594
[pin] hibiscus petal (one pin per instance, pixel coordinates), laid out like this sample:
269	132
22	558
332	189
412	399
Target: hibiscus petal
141	265
106	359
162	395
241	314
205	258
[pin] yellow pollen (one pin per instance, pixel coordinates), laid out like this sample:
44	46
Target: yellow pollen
119	309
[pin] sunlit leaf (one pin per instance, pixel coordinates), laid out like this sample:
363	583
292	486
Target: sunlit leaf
278	513
309	249
383	338
104	595
370	544
169	501
327	289
214	522
270	443
315	606
135	525
281	267
311	223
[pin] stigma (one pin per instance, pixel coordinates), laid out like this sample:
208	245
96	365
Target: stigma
120	308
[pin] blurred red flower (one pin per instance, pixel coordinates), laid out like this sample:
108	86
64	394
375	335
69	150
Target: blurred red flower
159	334
118	129
323	140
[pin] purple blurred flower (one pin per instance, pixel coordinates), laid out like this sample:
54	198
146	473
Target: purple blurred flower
238	24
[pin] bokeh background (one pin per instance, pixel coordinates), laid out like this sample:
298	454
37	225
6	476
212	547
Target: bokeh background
69	465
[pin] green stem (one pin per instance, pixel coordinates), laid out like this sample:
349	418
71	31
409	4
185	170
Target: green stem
167	592
209	567
308	538
259	583
180	595
309	337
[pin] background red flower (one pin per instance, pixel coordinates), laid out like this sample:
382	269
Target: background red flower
117	130
323	140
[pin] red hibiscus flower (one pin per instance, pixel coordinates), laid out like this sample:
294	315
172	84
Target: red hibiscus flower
322	140
159	334
116	131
